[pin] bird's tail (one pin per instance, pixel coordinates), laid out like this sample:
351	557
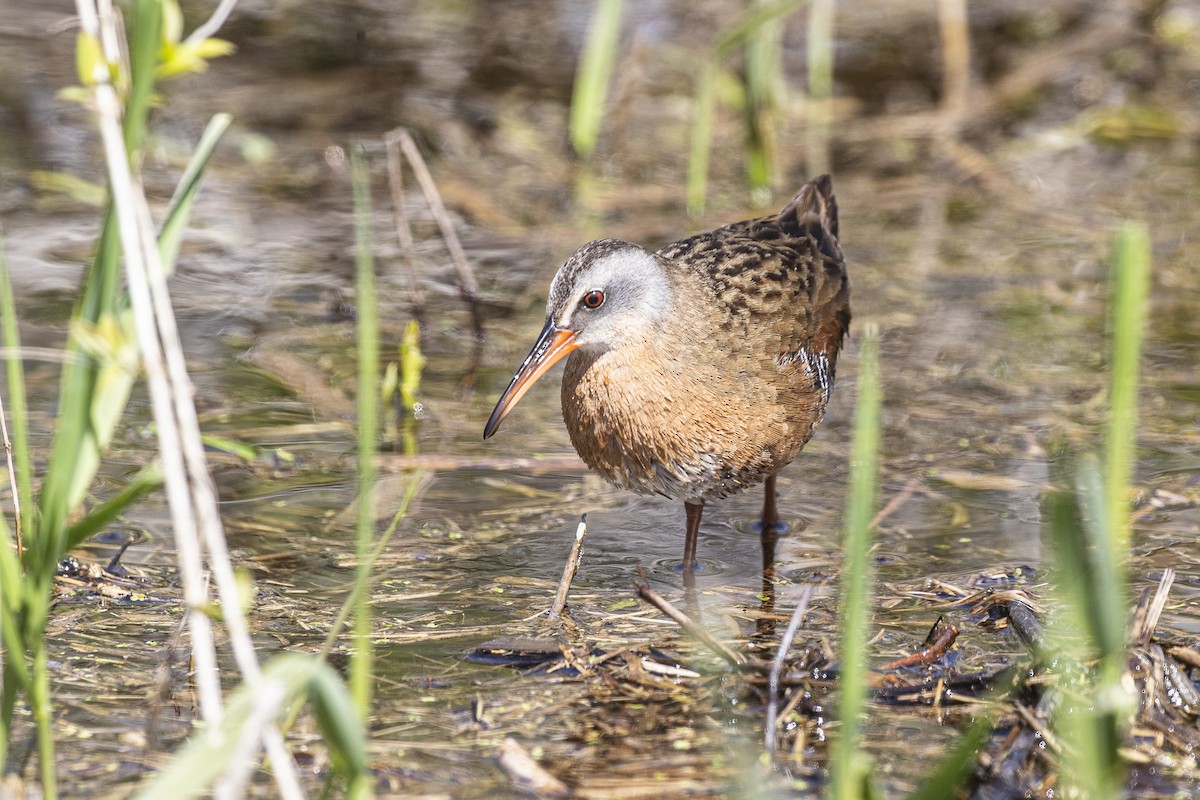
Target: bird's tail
814	203
813	212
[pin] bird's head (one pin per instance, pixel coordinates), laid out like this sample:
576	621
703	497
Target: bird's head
608	294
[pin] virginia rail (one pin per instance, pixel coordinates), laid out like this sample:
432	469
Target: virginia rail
703	368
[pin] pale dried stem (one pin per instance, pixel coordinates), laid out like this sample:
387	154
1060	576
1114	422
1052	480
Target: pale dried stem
1147	618
956	64
12	478
416	297
684	621
468	287
46	354
820	85
214	23
572	566
190	493
268	702
785	644
124	191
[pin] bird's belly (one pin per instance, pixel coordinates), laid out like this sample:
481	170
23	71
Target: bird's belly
655	437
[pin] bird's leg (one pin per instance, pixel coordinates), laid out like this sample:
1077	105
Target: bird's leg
693	510
769	536
770	515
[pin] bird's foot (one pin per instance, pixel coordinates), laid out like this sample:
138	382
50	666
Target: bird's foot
697	566
777	527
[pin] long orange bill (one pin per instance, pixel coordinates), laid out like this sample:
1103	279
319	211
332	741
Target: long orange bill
552	345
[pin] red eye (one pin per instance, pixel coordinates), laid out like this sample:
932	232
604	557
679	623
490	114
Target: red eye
593	299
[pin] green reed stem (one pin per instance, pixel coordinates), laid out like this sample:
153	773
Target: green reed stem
847	762
368	424
1130	280
16	398
820	85
764	90
590	95
1092	539
737	35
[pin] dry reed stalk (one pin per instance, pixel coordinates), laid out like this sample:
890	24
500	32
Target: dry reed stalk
684	621
956	63
1148	614
468	287
191	495
572	566
416	297
785	644
12	480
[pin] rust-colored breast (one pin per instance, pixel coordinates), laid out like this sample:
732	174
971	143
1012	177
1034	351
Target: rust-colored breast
740	372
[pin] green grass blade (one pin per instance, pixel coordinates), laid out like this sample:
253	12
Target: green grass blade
1091	534
145	482
342	727
1130	280
12	602
1105	587
763	94
221	444
145	40
590	94
751	20
820	85
208	754
368	424
847	761
1087	721
40	703
180	209
737	35
74	454
15	402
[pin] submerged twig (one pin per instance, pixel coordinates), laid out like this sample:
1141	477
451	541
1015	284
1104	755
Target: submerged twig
441	462
1146	619
684	621
936	649
785	644
893	505
956	64
527	773
572	566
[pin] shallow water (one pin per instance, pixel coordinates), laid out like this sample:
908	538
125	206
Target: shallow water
989	289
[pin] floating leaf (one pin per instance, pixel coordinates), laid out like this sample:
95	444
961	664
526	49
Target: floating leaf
1125	125
74	187
979	482
233	447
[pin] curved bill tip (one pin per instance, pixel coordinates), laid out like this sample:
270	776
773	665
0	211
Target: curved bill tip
553	343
